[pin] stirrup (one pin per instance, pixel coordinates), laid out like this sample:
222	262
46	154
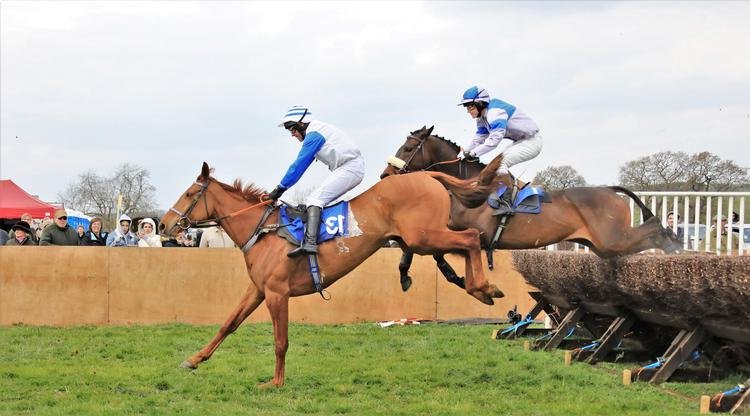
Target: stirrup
303	249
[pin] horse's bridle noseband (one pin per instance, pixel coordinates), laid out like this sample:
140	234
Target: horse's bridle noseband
184	222
405	167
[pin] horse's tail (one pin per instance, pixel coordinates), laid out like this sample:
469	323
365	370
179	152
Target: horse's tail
472	192
644	209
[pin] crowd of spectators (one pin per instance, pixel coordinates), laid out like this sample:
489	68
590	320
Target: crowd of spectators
55	231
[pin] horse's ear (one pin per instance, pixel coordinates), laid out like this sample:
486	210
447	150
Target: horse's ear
205	171
429	131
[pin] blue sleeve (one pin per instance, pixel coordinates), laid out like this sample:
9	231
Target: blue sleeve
310	147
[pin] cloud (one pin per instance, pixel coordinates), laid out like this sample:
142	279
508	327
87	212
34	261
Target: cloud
167	85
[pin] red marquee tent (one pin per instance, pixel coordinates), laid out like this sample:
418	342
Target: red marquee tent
14	201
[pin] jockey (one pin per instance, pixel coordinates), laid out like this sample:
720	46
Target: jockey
331	146
500	125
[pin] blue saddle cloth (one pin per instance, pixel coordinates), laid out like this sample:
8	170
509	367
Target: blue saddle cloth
334	222
528	199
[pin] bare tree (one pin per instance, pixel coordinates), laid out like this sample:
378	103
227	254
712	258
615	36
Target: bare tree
559	177
708	172
677	171
97	195
663	171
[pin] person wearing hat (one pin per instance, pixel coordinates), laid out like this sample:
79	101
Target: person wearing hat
500	126
147	237
59	233
21	235
122	236
723	234
325	143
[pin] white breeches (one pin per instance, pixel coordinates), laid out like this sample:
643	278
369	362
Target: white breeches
341	180
520	151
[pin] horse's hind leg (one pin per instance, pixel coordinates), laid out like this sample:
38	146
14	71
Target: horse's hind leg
448	272
250	301
465	242
403	268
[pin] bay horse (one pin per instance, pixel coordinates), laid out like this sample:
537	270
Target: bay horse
596	217
413	209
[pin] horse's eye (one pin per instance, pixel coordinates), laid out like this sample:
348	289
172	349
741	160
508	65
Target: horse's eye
408	149
188	194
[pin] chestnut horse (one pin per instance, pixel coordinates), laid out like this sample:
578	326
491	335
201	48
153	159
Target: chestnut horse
596	217
413	209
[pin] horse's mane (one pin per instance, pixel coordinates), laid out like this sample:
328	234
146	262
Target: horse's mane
250	192
449	142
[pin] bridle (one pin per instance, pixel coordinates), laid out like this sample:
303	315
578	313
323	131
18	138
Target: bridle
184	222
405	167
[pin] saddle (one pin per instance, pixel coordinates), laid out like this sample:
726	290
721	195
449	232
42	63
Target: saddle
334	222
527	199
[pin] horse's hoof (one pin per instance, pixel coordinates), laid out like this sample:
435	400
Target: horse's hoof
495	292
406	283
188	365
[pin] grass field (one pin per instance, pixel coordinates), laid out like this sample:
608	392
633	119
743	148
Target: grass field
430	369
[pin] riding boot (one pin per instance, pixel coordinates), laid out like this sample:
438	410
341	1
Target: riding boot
310	241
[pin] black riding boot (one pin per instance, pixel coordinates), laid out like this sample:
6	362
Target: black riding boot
310	241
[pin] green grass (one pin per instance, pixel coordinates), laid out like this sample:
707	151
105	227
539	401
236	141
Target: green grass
334	369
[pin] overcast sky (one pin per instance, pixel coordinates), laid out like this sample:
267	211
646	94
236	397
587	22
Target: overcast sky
168	85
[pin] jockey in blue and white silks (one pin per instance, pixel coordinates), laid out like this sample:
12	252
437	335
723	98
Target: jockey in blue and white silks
500	125
329	145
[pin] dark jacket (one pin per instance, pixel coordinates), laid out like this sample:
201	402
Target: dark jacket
91	239
27	242
52	235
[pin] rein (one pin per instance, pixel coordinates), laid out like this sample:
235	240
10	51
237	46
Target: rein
420	146
184	222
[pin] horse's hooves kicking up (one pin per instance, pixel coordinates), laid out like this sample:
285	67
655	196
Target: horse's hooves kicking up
188	365
486	294
405	283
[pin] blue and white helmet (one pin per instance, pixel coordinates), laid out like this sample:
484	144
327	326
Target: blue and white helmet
474	94
297	114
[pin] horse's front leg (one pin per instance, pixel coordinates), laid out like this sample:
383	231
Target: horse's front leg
278	306
250	301
448	272
403	268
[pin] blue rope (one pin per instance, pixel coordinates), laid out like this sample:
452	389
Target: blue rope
659	362
738	389
590	346
526	322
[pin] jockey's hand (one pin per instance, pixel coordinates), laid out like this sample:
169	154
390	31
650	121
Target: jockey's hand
276	193
468	156
461	154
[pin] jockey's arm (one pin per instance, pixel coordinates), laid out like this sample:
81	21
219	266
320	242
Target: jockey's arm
310	147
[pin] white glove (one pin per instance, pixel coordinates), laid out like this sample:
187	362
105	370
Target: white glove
461	154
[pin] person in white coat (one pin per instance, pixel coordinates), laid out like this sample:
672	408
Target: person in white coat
325	143
122	236
147	235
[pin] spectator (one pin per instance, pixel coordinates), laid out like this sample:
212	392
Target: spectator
4	237
21	235
94	236
710	240
121	236
215	237
27	217
147	236
670	225
177	241
80	232
59	233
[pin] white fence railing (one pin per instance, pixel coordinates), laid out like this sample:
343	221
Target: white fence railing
697	216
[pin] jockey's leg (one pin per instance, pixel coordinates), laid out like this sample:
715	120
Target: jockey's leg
520	151
310	241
